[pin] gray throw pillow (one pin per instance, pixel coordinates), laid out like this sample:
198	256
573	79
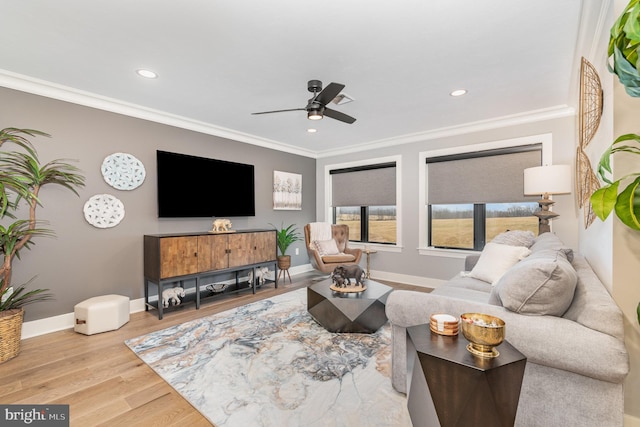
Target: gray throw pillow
515	238
542	284
551	241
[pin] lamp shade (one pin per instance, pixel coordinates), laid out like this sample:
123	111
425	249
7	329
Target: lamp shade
553	179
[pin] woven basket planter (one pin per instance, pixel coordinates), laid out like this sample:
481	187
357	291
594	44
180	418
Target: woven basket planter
10	333
284	262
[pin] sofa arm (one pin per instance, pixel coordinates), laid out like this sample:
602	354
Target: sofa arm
545	340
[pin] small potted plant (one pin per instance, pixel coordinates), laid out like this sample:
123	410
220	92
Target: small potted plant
285	237
22	176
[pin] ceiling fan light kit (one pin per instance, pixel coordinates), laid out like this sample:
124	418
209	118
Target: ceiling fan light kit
317	105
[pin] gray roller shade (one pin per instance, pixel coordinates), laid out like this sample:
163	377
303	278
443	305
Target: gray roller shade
373	185
492	176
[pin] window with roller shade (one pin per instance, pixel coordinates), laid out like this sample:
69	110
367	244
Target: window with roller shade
364	197
472	197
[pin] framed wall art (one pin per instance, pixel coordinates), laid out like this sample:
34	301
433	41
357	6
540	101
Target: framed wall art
287	191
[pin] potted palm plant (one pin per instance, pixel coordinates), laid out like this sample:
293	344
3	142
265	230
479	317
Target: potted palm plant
285	237
21	179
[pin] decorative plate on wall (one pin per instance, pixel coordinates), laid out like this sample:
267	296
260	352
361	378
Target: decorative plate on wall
123	171
589	120
103	211
590	102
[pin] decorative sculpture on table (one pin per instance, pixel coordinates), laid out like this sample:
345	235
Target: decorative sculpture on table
172	295
342	275
221	225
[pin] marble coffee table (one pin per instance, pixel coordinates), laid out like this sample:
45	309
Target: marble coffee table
361	312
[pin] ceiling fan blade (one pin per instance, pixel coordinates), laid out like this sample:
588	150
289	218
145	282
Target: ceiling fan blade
328	93
280	111
338	115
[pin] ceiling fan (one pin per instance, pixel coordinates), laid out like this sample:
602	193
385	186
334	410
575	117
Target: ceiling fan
317	105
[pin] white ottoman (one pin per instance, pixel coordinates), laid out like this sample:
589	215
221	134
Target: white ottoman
101	314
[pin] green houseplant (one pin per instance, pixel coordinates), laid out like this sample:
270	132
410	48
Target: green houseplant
22	176
624	45
285	237
624	55
626	204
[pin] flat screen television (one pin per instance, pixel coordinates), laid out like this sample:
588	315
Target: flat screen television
194	187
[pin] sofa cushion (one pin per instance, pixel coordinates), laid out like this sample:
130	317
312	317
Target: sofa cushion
515	238
542	284
551	241
326	247
495	260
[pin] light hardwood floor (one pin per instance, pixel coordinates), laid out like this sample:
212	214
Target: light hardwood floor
103	381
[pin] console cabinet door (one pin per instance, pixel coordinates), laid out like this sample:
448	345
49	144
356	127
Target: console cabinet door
240	249
178	256
212	252
264	245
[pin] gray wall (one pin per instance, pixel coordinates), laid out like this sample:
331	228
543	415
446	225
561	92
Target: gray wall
84	261
409	261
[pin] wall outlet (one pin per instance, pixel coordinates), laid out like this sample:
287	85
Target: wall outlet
297	251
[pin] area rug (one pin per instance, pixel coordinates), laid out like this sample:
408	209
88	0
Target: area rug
269	363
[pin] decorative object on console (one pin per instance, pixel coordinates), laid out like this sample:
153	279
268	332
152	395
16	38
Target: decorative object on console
103	211
484	332
123	171
221	225
261	275
215	288
546	180
172	295
287	191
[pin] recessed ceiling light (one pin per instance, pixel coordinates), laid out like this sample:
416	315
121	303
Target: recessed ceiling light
148	74
458	92
311	130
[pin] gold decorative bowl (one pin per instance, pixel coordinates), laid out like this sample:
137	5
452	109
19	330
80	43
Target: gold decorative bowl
484	332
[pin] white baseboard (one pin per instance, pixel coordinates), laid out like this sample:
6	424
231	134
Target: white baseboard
630	421
61	322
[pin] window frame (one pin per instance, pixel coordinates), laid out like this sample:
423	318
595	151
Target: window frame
329	210
423	219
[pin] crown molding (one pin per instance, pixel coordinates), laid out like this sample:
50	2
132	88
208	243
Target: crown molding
64	93
479	126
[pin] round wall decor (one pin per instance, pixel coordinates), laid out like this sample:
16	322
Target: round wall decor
103	211
123	171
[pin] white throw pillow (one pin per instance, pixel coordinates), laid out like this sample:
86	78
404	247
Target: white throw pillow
326	247
495	260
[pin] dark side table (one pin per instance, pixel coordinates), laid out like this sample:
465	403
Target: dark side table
448	386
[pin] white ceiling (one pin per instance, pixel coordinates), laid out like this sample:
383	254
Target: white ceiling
219	61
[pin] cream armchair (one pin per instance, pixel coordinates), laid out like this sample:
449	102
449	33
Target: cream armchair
325	256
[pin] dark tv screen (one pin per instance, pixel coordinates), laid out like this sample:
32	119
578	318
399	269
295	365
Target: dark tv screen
190	186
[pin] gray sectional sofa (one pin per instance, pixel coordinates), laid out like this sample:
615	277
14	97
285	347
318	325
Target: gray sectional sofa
557	313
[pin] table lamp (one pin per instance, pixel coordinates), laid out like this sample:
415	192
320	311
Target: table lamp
546	180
